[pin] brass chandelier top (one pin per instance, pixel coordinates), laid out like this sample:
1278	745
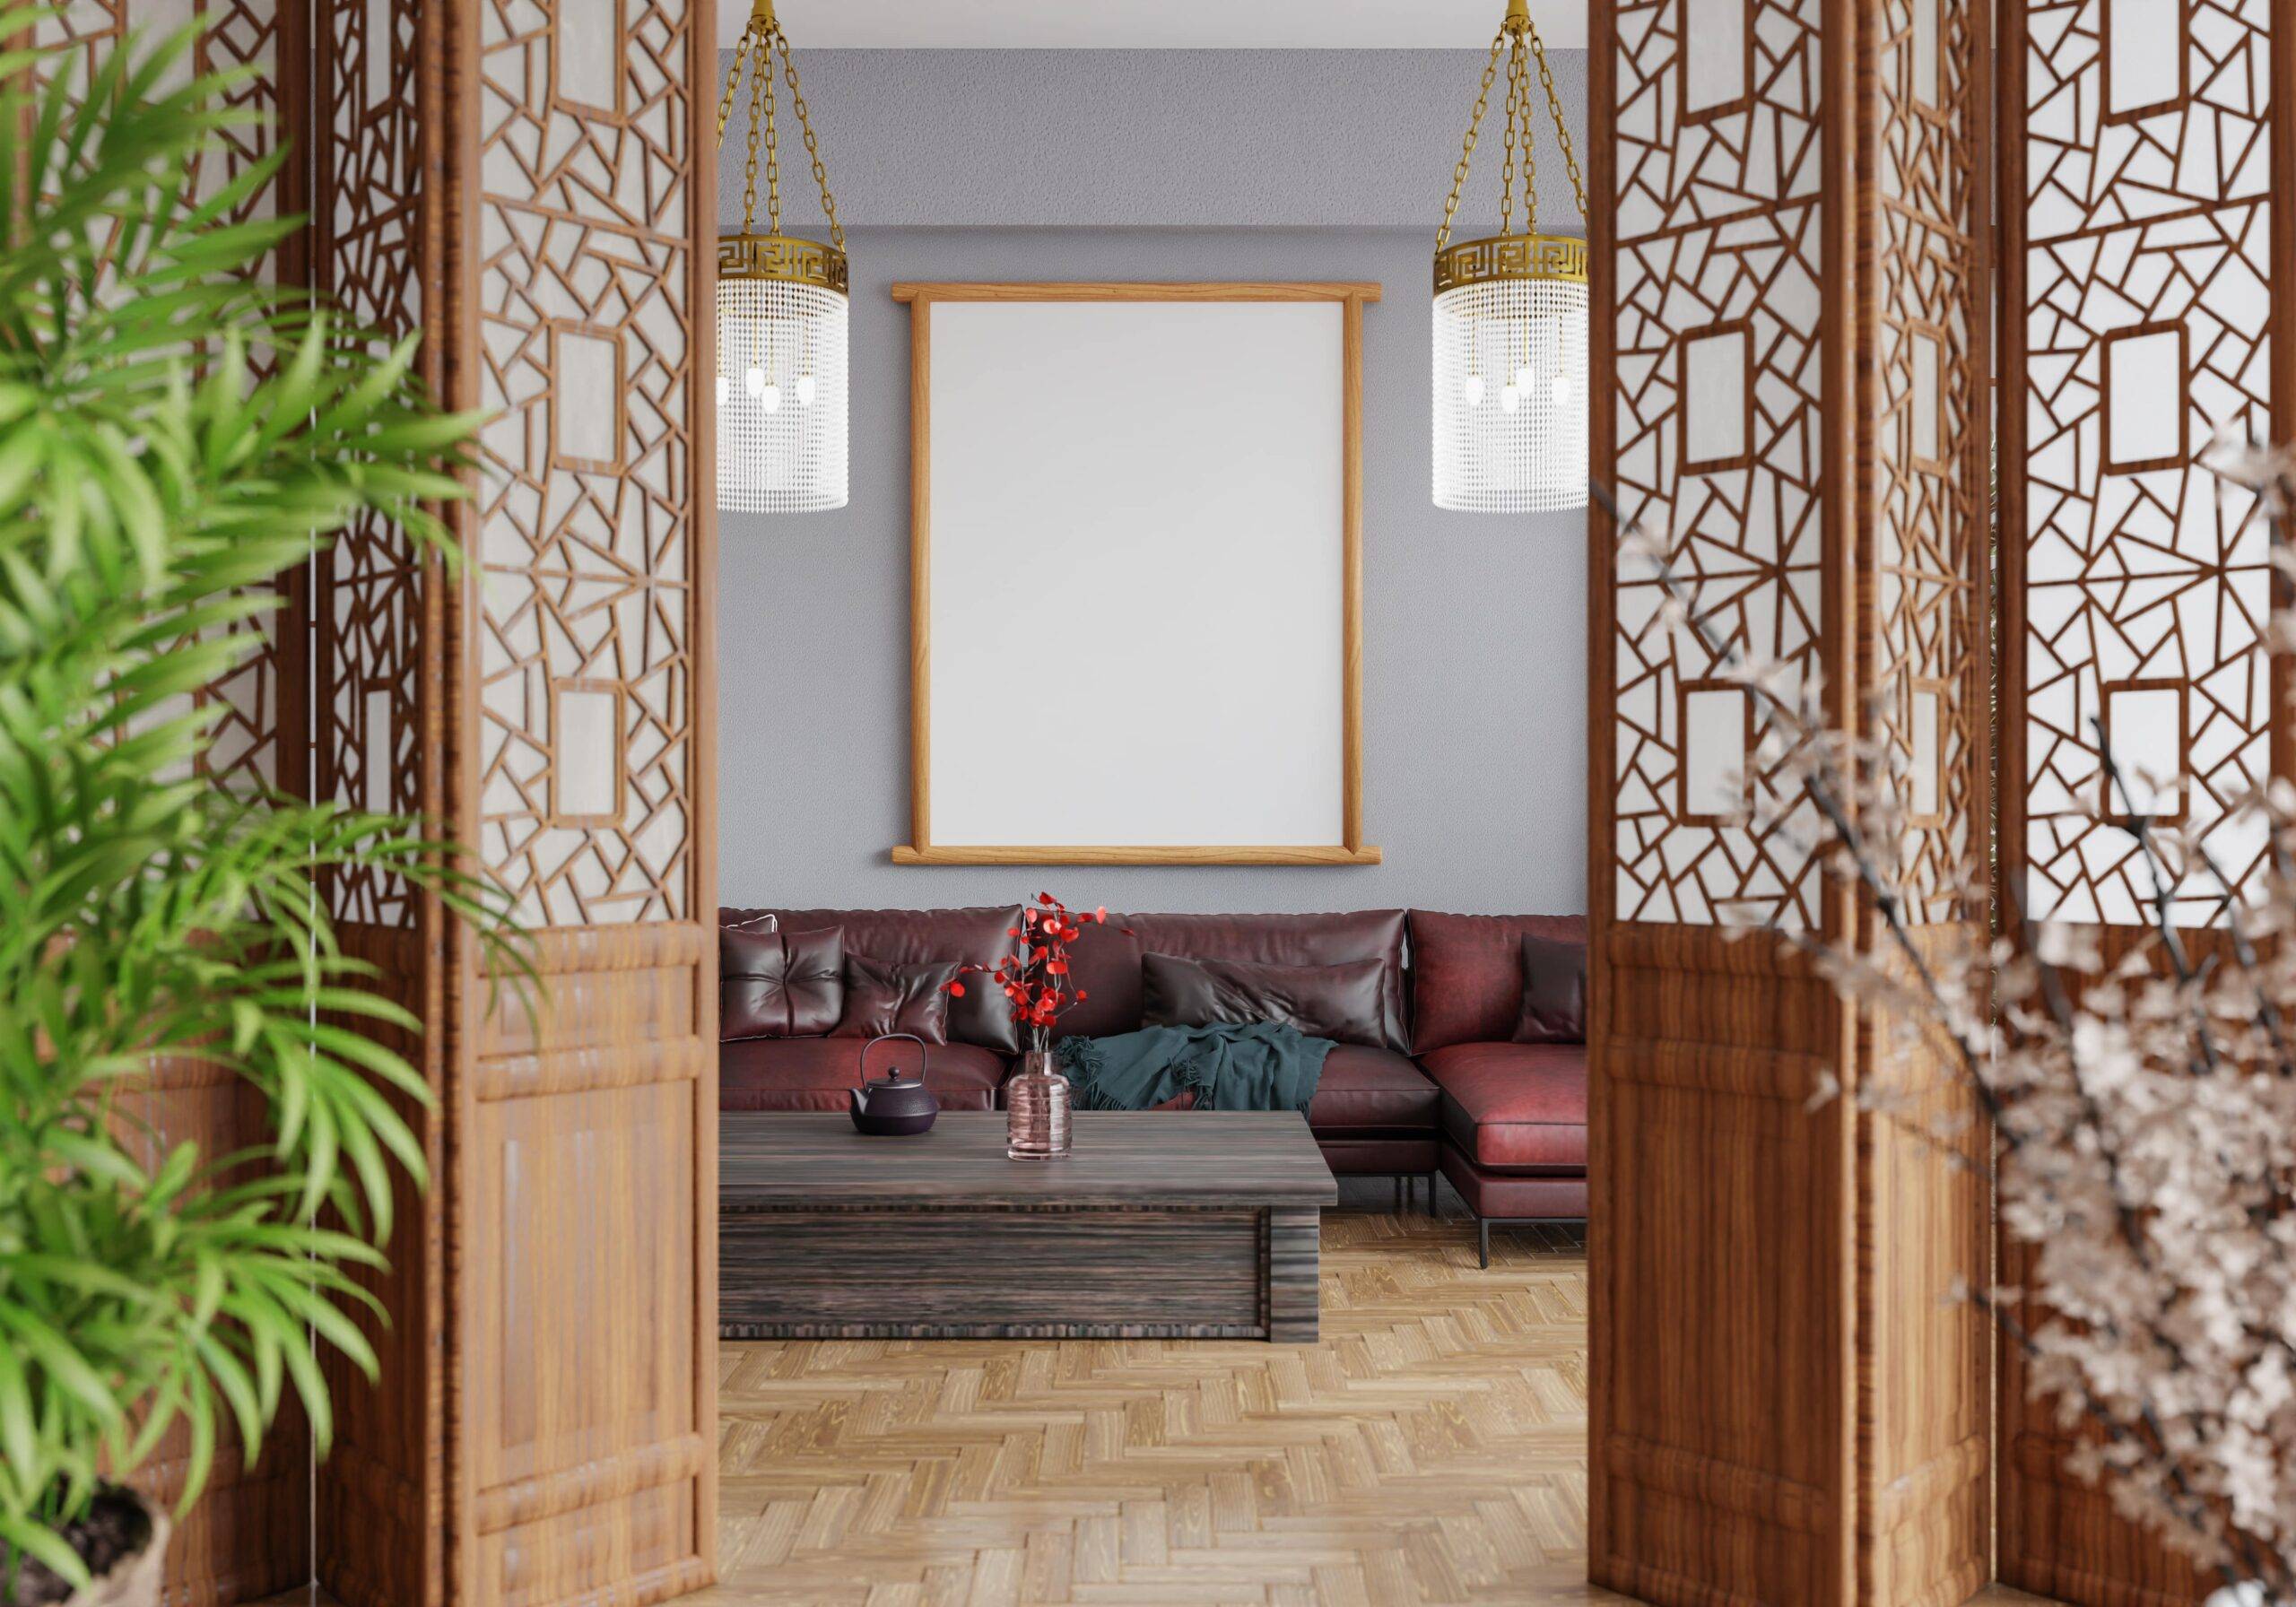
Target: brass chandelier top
773	255
1507	254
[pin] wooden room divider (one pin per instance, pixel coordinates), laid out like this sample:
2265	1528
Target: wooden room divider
1790	325
531	185
2148	268
1784	1409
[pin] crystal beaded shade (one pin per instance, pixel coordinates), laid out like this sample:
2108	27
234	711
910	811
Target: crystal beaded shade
781	312
781	396
1510	395
1510	405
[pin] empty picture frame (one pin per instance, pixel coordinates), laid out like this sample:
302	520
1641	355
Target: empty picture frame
1136	574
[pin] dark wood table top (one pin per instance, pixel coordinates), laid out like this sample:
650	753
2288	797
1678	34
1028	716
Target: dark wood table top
778	1161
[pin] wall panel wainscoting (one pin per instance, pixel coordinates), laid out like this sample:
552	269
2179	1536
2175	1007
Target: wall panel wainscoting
1790	393
2148	267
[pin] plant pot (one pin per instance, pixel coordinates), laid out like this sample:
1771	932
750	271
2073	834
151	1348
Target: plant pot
124	1538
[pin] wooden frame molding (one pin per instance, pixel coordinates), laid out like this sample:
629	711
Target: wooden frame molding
921	849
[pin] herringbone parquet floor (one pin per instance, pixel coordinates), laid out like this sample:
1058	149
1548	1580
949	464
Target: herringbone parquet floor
1431	1449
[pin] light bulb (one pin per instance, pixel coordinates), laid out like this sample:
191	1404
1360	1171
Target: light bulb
1561	390
771	398
725	389
755	382
1471	389
1523	377
1510	398
805	390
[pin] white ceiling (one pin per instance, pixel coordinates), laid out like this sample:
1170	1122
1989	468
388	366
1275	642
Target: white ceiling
1154	24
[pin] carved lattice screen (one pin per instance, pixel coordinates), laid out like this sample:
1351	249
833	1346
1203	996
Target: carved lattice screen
1719	267
1789	329
2143	229
2147	271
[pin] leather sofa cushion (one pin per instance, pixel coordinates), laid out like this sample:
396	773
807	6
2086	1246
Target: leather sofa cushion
1515	1108
1365	1089
776	984
1104	964
907	936
1287	940
1467	973
1554	992
882	998
814	1074
1344	1003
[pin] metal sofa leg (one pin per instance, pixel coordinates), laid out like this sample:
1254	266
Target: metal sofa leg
1434	1195
1399	1193
1482	1228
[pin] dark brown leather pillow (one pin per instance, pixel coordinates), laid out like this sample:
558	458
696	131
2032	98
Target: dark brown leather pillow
1344	1003
882	998
1554	992
774	983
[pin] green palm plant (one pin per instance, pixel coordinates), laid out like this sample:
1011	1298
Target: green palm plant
155	479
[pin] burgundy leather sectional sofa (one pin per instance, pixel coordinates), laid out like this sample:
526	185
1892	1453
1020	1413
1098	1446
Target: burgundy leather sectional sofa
1441	1083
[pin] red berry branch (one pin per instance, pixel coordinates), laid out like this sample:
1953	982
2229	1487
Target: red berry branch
1035	977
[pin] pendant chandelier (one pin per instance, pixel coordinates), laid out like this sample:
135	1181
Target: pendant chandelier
781	314
1510	320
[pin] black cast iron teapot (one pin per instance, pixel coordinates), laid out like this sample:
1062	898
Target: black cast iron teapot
894	1106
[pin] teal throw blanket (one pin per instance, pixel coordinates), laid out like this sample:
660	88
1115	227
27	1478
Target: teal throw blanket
1230	1065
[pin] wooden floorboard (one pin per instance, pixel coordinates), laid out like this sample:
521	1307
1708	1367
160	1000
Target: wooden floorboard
1430	1449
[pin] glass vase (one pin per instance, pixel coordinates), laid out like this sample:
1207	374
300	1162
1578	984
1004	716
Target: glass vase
1035	1106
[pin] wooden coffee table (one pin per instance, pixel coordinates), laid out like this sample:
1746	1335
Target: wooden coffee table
1162	1224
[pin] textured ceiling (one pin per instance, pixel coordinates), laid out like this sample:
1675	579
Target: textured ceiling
1154	24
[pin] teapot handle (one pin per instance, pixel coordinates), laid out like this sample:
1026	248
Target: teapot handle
887	1038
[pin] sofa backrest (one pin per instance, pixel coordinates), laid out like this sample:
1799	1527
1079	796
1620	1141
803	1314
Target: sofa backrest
906	936
1467	973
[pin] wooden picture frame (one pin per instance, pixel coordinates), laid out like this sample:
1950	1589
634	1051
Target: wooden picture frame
923	848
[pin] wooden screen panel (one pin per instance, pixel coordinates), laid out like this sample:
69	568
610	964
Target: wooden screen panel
377	736
248	1535
1920	657
2146	266
1789	392
582	1241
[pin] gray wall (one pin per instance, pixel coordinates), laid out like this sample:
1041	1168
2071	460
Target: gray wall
1474	626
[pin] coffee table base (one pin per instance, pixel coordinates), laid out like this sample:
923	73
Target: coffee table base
943	1272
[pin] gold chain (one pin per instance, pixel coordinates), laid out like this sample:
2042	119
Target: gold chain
1466	151
1530	156
812	147
749	171
726	103
1562	128
772	140
762	42
1507	168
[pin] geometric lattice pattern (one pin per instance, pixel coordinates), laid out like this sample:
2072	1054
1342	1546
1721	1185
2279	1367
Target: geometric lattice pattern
2147	207
239	34
369	707
1928	530
1718	232
589	497
1430	1448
